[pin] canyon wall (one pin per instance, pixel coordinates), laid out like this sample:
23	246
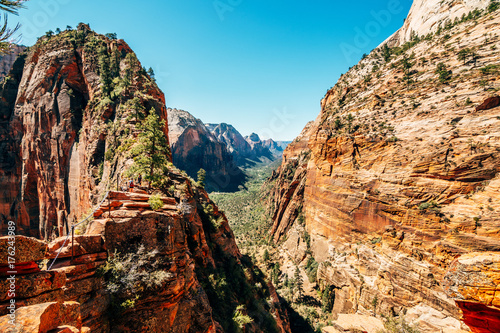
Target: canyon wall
403	169
58	124
195	148
72	114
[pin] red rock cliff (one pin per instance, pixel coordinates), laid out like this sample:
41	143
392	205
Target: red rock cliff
403	174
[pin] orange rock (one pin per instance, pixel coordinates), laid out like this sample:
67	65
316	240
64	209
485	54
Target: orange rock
42	318
26	249
82	245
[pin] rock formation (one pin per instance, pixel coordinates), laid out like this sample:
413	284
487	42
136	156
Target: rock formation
60	134
195	279
7	60
195	148
246	151
402	173
71	118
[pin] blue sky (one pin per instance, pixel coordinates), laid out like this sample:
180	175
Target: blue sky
262	66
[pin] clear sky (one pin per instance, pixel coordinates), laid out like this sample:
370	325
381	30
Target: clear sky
262	66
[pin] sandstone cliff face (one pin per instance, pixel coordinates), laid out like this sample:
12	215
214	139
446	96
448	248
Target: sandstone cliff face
428	15
195	148
7	60
196	276
57	127
404	171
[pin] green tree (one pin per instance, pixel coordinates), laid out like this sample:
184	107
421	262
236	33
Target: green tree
299	283
386	53
111	35
105	72
6	33
152	150
266	256
115	63
463	55
407	64
202	174
443	73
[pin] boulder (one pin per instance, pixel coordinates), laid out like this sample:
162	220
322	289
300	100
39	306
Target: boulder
27	249
45	317
82	245
489	103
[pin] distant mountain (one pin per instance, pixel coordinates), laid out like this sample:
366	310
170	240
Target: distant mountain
247	150
7	60
194	147
234	141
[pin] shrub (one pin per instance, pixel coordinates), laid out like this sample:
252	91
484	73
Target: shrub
128	275
241	319
155	202
443	73
398	325
327	299
311	269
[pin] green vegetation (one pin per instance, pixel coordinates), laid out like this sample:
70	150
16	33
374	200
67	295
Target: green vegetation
6	33
202	175
444	75
155	202
128	276
246	211
240	318
151	151
398	325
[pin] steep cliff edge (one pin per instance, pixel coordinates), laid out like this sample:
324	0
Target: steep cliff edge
67	118
74	119
195	148
403	175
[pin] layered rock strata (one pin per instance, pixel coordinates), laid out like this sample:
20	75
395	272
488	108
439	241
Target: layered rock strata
194	147
403	174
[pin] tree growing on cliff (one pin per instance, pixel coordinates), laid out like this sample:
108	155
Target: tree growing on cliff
151	152
202	174
298	283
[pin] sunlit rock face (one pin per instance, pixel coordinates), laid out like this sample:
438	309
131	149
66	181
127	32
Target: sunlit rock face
194	147
402	170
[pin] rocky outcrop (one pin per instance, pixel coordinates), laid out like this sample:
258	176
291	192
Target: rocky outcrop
195	148
472	281
7	60
190	248
246	151
276	147
61	134
403	174
286	199
427	16
258	147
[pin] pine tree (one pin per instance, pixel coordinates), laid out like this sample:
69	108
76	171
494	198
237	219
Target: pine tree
463	55
299	283
105	72
152	150
202	174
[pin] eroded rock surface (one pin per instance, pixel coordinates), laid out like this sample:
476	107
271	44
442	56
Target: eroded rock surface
403	169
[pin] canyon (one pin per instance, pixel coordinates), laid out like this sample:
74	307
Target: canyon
396	183
153	259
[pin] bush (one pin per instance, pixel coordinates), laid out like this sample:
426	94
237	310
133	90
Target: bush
443	73
241	319
311	269
155	202
328	299
398	325
128	275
